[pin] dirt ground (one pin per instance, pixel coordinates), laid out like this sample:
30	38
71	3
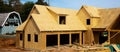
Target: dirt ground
12	49
8	45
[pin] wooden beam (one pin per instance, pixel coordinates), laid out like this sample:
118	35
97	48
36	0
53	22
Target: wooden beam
108	36
115	35
84	40
80	38
58	40
70	40
114	30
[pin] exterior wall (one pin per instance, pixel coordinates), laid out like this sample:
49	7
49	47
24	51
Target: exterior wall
31	29
8	29
41	44
19	43
43	41
44	34
83	15
95	21
17	40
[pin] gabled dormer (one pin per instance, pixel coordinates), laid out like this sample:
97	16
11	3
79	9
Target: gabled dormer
89	15
59	17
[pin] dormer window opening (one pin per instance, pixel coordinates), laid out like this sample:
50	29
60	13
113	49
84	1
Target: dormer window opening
62	19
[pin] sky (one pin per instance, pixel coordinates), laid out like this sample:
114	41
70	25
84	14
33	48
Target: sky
76	4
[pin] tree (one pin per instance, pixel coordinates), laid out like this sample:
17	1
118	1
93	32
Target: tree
41	2
26	8
10	5
1	2
5	7
16	4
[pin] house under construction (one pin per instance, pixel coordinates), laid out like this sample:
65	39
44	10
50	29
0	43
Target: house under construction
51	26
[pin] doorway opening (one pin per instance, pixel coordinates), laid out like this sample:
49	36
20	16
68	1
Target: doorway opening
51	40
64	39
75	38
103	37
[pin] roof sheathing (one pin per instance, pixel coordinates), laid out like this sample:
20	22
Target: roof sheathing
108	16
93	12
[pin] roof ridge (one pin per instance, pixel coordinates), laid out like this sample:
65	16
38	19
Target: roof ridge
54	7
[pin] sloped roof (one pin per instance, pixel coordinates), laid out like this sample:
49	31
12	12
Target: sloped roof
62	10
46	22
92	11
72	23
4	17
108	16
44	10
21	27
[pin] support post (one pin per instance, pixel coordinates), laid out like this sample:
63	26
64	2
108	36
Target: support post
58	40
70	40
80	38
83	34
109	36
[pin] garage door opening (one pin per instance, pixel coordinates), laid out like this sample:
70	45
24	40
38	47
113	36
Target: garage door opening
75	38
51	40
64	39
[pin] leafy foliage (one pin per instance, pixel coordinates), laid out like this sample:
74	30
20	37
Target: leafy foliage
9	5
26	8
16	5
41	2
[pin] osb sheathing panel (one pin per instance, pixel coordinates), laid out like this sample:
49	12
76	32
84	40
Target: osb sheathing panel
83	15
44	34
94	21
31	29
108	16
34	10
51	25
62	10
72	21
53	14
19	43
17	39
43	41
21	27
93	11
